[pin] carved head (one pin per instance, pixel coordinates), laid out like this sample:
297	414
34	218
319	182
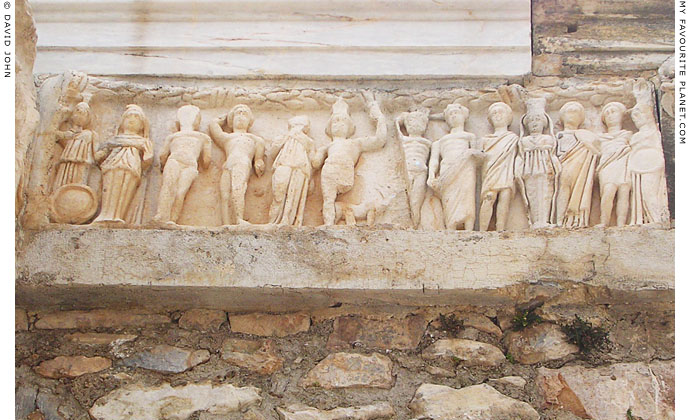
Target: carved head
134	121
642	114
301	122
456	115
416	121
81	115
572	113
612	114
340	124
189	117
240	117
536	119
500	114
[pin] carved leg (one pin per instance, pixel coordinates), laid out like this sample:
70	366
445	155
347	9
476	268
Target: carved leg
108	196
329	195
622	205
417	193
187	177
239	176
562	203
486	210
503	209
608	194
129	188
171	174
225	186
280	181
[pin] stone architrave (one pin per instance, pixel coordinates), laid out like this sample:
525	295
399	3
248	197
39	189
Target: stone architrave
179	162
72	200
498	169
123	159
614	182
452	170
416	149
646	164
241	149
292	171
578	150
537	165
341	156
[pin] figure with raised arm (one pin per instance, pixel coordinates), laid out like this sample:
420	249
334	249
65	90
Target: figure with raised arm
498	170
578	151
179	162
416	149
341	155
241	150
452	170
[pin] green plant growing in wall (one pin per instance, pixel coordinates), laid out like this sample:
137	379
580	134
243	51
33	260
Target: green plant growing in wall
525	318
585	336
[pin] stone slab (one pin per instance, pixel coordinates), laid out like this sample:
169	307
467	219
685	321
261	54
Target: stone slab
285	38
303	268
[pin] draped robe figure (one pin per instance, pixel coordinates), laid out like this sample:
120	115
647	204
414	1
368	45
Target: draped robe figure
124	158
452	171
292	170
77	155
612	170
538	167
498	170
646	168
578	151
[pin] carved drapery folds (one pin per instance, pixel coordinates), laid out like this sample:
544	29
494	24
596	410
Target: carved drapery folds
503	158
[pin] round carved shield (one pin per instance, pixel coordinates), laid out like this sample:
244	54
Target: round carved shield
74	204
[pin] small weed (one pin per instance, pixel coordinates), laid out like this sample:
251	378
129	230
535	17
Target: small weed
525	318
585	336
628	414
510	358
451	325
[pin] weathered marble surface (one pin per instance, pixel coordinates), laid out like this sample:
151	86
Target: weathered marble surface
311	38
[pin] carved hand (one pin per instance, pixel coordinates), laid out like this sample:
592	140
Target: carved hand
259	166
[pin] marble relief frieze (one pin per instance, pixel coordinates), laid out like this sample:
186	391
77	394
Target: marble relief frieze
116	153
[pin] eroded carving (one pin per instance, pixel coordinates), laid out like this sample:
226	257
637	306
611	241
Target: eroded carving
452	170
614	180
72	200
241	150
123	159
416	149
292	171
498	169
341	156
578	151
179	162
537	165
646	164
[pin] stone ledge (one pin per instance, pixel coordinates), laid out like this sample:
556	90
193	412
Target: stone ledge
318	266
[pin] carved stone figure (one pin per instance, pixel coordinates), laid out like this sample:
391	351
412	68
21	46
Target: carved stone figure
366	211
614	179
179	162
292	170
338	173
646	164
538	168
498	170
416	149
73	201
452	170
123	159
241	149
578	150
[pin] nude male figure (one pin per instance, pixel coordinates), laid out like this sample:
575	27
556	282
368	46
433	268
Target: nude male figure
416	149
181	152
241	149
338	173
